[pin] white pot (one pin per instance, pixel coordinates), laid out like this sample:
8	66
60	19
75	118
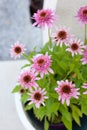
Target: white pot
22	115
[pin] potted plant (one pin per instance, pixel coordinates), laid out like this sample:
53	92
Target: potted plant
53	85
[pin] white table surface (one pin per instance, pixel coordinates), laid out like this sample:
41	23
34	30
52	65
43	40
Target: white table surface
9	119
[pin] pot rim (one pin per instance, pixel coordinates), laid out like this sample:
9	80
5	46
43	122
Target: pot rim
21	113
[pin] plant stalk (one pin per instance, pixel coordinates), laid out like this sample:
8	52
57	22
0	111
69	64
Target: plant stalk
85	39
50	40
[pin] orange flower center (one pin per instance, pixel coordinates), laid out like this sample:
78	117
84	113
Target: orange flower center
27	78
66	89
62	35
37	96
18	50
74	46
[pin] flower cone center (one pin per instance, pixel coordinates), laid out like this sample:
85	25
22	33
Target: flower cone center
85	12
27	78
22	90
62	35
66	89
74	46
41	62
18	50
43	14
37	96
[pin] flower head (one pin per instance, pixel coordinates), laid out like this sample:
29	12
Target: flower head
17	50
27	79
85	86
41	64
75	47
44	17
66	90
62	36
84	59
37	97
82	15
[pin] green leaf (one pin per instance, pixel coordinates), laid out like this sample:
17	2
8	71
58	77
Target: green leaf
24	97
64	111
29	57
67	123
40	113
84	105
54	107
66	117
28	107
26	65
79	74
45	48
16	89
76	114
46	124
53	95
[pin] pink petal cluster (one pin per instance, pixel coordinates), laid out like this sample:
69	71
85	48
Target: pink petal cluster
62	36
84	59
66	90
44	17
17	50
75	47
37	97
41	64
28	79
85	86
82	15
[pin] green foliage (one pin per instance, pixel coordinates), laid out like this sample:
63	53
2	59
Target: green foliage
28	57
26	65
54	107
66	117
24	97
40	113
29	107
76	113
84	104
65	67
16	89
46	124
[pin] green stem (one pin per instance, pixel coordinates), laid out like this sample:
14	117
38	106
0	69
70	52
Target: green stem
50	40
85	40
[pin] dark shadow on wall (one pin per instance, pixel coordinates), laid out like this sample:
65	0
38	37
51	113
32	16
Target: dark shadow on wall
34	6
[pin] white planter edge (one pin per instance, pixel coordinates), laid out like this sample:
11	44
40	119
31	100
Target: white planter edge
22	114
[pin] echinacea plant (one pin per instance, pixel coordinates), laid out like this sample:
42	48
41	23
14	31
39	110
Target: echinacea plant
54	83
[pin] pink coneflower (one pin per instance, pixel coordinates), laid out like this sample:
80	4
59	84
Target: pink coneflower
85	86
75	47
41	64
66	90
84	59
17	50
44	17
37	97
62	36
82	15
27	79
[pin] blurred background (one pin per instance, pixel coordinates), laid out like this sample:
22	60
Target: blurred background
16	25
